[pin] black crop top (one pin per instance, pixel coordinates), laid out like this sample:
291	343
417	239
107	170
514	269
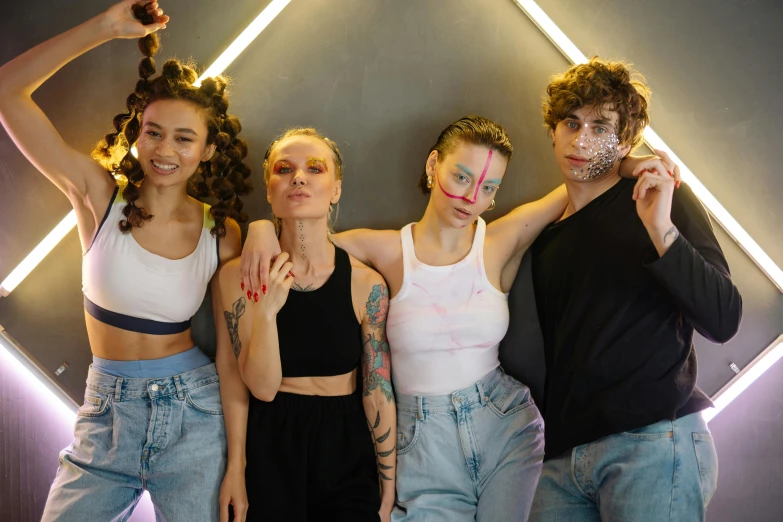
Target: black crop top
318	333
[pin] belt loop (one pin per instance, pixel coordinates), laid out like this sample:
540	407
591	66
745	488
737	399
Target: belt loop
118	390
178	385
420	402
482	396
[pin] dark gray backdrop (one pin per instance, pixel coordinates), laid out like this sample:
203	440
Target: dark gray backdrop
382	78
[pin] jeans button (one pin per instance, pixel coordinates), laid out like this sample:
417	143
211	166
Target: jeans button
154	387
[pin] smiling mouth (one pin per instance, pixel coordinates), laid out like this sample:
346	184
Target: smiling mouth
163	167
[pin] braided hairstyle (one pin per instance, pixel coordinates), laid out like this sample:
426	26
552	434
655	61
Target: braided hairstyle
223	177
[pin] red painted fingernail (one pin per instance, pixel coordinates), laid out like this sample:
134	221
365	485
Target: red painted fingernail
677	184
249	295
255	297
263	289
670	173
291	274
242	285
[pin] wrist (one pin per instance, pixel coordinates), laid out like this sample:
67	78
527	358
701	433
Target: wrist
263	315
103	27
236	465
659	229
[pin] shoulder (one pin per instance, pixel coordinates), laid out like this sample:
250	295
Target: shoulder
231	243
364	277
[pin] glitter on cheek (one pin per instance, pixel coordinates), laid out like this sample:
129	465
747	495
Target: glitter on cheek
602	153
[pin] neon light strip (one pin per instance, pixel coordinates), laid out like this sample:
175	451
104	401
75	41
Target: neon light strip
745	378
721	215
39	252
12	356
69	222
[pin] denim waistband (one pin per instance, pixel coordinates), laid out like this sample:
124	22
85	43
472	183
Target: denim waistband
477	393
123	388
153	368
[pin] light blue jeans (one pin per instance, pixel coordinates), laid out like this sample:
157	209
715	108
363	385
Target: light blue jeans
475	454
666	471
164	435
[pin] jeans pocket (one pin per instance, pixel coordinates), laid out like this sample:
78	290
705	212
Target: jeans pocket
205	399
408	429
707	460
508	397
96	404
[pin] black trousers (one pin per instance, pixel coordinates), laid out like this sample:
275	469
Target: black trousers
310	458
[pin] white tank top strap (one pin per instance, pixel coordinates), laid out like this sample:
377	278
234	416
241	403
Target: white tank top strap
409	260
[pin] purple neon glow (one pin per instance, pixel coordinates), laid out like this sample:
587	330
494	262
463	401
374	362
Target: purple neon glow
478	185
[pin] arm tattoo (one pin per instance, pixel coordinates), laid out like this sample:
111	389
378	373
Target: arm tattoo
378	441
376	360
232	323
673	232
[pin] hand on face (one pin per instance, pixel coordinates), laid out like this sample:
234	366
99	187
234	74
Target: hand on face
124	24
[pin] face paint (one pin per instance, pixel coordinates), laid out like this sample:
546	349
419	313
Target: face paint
478	185
281	167
317	163
602	153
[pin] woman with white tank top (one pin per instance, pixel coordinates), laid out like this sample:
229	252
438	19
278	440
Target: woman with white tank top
469	438
154	408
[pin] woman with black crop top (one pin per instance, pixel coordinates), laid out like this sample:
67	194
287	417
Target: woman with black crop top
309	453
155	416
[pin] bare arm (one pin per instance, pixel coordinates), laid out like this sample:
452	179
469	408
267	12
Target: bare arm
233	392
377	393
261	246
74	173
255	337
517	230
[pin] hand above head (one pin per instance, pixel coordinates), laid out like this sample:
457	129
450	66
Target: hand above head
126	19
258	254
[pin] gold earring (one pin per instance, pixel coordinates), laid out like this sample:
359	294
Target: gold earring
491	205
429	182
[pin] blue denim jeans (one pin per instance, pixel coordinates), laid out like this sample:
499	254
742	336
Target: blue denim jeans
163	435
666	471
475	454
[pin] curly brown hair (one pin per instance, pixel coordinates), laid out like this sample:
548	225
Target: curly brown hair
470	130
223	177
605	85
336	155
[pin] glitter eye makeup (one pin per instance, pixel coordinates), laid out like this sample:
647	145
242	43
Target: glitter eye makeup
281	166
317	163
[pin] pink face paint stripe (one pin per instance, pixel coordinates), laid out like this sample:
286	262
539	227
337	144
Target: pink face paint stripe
478	185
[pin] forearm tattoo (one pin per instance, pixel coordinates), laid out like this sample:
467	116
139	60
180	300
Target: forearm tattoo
673	232
376	359
232	323
378	441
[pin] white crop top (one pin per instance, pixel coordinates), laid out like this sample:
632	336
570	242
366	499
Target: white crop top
445	324
131	288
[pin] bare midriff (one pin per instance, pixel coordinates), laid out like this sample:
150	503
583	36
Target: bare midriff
331	386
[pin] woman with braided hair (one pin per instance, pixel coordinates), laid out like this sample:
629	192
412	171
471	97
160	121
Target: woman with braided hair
153	413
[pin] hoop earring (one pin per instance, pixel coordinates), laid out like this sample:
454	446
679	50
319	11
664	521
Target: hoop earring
491	205
429	182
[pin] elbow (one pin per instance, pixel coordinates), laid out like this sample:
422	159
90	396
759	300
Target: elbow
728	325
264	393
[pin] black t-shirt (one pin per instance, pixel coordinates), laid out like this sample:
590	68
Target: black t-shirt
618	320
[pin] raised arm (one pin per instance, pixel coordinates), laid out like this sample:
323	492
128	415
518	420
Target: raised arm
517	230
233	392
252	327
84	181
377	393
261	246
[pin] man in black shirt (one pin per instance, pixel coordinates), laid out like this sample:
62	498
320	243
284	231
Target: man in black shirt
622	280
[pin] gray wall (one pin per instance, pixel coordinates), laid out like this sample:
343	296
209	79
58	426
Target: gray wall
382	78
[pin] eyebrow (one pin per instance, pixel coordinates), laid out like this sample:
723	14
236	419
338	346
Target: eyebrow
599	121
464	169
181	129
